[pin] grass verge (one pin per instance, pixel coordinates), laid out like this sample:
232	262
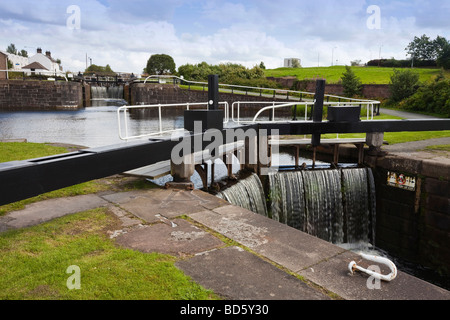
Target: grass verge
397	137
35	260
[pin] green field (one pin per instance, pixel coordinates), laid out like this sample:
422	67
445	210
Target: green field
367	75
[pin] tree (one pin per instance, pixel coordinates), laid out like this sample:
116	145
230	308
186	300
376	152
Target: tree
443	60
99	70
11	49
160	64
296	63
424	48
351	83
262	65
404	83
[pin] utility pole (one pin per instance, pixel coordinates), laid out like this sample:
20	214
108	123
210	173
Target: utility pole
332	55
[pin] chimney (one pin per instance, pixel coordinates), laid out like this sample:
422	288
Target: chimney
39	50
48	54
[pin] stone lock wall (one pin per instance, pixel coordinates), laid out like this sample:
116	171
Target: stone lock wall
40	95
415	224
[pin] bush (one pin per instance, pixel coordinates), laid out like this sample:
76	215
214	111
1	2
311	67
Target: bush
394	63
404	83
227	72
433	97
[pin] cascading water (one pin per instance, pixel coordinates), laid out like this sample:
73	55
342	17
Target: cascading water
356	205
335	205
99	92
112	92
247	193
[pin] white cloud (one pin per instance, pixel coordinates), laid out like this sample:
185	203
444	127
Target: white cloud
124	34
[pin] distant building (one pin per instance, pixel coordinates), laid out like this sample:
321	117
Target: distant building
42	63
18	62
3	64
292	62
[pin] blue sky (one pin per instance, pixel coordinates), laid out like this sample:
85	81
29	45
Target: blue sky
124	34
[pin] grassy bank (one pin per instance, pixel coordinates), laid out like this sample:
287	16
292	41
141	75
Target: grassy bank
368	75
35	260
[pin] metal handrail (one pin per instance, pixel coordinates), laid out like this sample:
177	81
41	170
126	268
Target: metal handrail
275	91
160	131
273	107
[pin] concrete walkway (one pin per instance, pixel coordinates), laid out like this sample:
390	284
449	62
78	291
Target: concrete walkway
261	260
405	114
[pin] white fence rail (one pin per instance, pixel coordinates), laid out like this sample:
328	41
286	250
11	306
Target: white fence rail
122	116
122	112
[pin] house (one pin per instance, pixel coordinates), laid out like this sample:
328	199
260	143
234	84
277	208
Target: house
40	63
17	61
292	62
3	65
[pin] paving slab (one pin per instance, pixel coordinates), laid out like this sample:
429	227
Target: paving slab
47	210
289	247
334	275
236	274
179	238
148	204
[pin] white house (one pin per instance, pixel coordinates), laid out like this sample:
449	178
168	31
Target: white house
17	61
42	63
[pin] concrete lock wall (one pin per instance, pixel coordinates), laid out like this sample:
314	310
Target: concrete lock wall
40	95
414	223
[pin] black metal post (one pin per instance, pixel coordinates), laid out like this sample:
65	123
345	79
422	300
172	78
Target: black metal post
317	113
213	92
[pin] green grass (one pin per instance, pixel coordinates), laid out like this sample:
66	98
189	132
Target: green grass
367	75
441	147
11	151
34	263
394	137
397	137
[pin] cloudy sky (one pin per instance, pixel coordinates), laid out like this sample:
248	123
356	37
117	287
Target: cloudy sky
124	34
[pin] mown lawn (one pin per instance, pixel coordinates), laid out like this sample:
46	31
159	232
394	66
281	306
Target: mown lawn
367	75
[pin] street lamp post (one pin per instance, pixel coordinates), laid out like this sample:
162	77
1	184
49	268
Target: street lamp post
332	55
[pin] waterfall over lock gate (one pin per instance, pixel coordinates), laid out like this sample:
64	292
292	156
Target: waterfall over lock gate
247	193
112	92
335	205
